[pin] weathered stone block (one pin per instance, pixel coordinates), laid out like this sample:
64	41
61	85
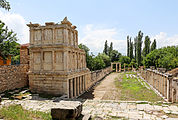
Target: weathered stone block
66	110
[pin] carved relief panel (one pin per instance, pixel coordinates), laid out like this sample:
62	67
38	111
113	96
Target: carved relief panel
48	36
66	40
59	60
37	36
47	58
37	60
59	36
71	38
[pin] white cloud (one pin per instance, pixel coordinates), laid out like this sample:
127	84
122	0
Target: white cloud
163	39
95	37
18	24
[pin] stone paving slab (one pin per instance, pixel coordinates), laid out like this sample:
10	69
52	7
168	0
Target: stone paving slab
106	109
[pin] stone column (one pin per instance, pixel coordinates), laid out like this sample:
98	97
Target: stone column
71	88
169	88
84	83
79	90
74	87
132	68
111	67
120	67
165	87
116	67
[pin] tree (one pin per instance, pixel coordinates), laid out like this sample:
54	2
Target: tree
128	47
105	48
7	41
84	47
139	47
165	57
105	58
131	50
98	63
146	48
153	46
110	49
135	48
89	58
115	55
4	4
124	59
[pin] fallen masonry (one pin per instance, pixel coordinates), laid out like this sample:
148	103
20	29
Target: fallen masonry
66	110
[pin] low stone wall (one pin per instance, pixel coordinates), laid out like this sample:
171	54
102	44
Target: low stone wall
80	83
13	76
165	84
99	74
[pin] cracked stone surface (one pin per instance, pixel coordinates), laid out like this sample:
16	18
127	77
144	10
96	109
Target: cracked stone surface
105	109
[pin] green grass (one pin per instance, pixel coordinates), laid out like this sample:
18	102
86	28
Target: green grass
16	112
132	89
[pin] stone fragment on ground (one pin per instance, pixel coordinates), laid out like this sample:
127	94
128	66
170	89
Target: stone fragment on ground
66	110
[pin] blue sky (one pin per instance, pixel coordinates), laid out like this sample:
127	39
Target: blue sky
98	20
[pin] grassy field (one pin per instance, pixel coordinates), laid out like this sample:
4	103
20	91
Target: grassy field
16	112
132	89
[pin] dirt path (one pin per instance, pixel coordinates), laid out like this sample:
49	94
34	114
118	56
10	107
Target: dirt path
105	90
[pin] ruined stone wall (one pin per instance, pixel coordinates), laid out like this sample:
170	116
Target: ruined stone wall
165	84
13	76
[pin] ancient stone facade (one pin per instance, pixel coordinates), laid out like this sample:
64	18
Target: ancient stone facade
57	65
165	84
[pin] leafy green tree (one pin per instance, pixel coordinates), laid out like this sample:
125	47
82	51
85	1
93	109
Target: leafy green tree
110	49
84	47
139	47
153	45
106	48
4	4
128	46
165	57
105	58
115	55
124	59
7	41
98	63
89	58
146	48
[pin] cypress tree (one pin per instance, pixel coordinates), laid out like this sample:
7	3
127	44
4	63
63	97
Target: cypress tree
105	48
153	45
135	48
110	49
139	47
146	48
128	47
131	50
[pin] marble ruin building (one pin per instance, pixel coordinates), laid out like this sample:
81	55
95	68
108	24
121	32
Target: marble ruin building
57	65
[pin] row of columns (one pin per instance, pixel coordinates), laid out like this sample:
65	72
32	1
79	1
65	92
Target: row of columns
76	86
161	82
120	69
